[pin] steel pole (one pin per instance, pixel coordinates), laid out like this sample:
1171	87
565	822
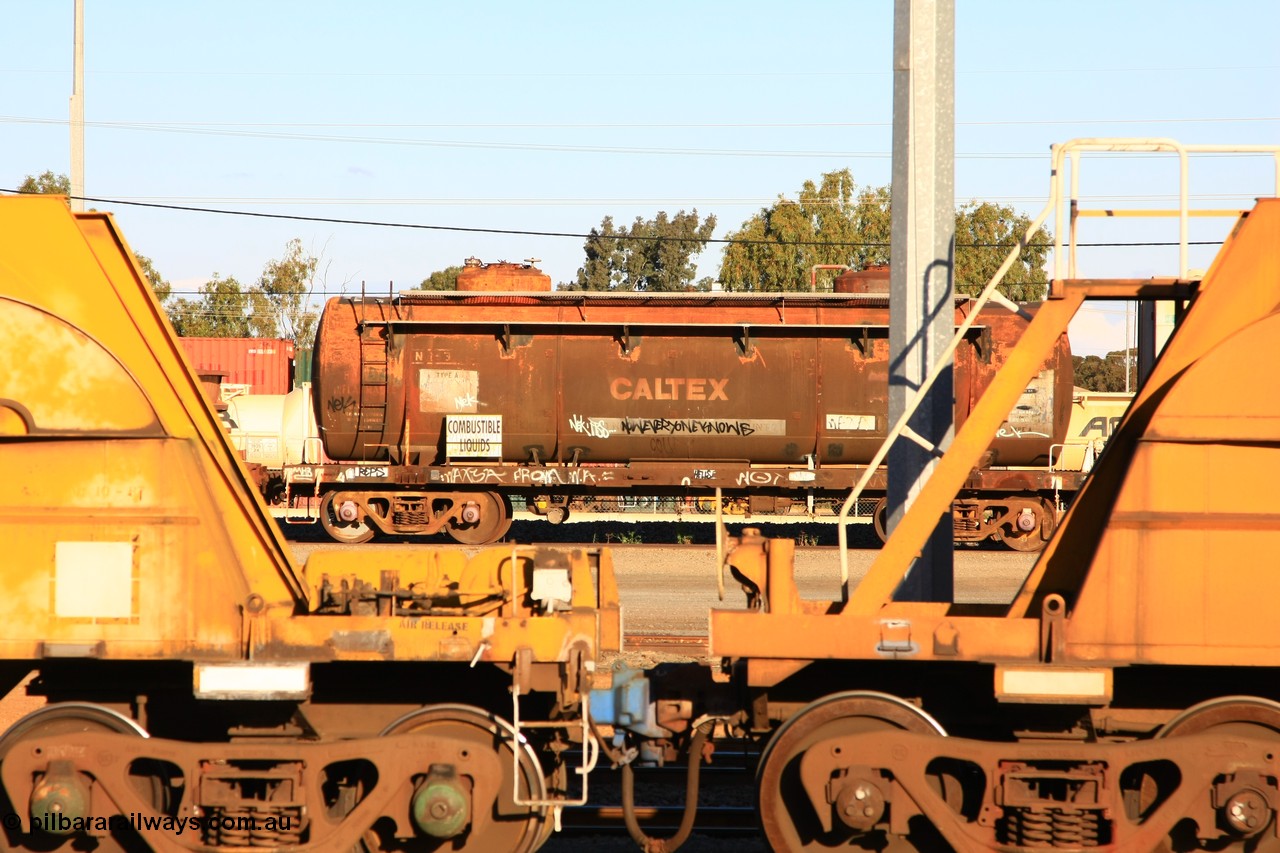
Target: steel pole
77	112
921	272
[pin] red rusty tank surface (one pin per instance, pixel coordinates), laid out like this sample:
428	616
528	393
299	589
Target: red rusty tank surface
778	378
502	276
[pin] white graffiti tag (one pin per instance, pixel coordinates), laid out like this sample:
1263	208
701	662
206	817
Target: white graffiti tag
1010	431
594	427
758	478
469	475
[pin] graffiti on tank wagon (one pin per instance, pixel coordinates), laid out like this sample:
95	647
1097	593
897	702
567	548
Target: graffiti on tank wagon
1010	431
701	426
593	427
559	477
452	391
474	476
758	478
469	476
658	428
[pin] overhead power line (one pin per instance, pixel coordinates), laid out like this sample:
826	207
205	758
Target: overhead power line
577	235
201	129
647	74
1244	200
160	124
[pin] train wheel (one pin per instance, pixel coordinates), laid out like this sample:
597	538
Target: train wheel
1030	541
880	519
1025	543
1246	813
61	719
514	828
340	530
786	814
494	522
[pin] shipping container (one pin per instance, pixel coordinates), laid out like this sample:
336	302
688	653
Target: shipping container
247	365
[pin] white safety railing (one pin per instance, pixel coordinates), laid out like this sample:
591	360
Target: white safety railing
1061	154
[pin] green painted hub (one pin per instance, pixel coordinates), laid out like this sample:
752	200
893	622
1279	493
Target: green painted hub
441	805
59	799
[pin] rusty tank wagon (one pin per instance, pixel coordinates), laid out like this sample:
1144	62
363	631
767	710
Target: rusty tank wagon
442	405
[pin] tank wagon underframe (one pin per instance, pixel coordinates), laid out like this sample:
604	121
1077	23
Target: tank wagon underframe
471	502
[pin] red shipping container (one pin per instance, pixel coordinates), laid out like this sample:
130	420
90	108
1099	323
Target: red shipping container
247	365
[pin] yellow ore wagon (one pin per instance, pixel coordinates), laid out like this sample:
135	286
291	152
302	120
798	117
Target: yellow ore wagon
203	691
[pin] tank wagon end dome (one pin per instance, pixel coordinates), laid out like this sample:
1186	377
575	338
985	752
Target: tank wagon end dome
870	280
503	276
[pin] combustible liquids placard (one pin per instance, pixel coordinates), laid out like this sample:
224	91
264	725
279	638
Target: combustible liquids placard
473	436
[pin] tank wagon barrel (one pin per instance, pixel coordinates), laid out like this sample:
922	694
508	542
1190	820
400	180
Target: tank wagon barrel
484	394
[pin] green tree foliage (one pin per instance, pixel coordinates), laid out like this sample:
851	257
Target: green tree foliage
445	279
985	234
1106	374
159	285
222	311
280	305
829	223
654	254
834	222
46	184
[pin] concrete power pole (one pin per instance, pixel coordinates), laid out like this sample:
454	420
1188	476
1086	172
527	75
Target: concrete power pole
922	265
77	113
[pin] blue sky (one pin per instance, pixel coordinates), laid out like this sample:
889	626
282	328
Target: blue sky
550	116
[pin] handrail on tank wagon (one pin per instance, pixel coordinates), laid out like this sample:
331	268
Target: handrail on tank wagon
1059	153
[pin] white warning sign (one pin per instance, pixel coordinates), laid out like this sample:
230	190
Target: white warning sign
473	436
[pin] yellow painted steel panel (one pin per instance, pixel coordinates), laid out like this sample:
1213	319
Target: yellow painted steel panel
151	498
1186	567
1241	287
108	440
95	393
135	532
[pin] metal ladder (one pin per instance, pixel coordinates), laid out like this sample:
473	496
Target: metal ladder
373	378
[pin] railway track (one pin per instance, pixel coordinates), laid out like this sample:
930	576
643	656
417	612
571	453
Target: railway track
667	644
725	808
712	820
